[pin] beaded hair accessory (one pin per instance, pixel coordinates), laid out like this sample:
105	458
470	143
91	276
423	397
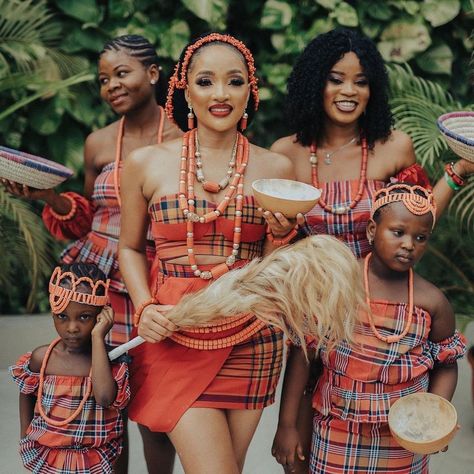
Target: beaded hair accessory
60	297
179	81
417	204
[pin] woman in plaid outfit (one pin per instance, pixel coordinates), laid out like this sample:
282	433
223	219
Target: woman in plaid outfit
406	344
129	77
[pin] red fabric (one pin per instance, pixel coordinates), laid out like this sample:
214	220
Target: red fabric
76	227
414	174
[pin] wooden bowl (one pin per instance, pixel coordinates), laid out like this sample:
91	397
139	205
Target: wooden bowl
423	423
285	196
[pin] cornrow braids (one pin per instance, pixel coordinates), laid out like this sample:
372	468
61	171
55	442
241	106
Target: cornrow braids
306	84
81	269
176	105
140	48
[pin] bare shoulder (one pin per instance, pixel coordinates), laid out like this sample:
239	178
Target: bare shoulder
285	145
276	165
144	157
102	136
37	357
429	296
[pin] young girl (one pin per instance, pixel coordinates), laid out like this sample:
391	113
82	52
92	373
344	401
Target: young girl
70	395
407	343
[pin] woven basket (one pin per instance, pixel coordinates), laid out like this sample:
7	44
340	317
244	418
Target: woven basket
31	170
458	131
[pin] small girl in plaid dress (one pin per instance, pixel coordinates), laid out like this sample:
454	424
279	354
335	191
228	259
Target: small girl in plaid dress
71	397
407	343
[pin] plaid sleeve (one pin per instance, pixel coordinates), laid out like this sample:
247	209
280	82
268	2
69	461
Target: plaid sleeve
448	350
120	373
74	228
26	380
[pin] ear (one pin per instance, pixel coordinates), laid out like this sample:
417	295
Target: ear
186	95
153	74
371	229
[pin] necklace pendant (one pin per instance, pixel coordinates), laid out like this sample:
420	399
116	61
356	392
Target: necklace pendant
327	159
192	217
211	187
341	210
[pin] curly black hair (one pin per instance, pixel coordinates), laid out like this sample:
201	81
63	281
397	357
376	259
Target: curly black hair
180	105
140	48
304	102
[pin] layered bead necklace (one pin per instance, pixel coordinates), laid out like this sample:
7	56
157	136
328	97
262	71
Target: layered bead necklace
187	201
394	338
313	159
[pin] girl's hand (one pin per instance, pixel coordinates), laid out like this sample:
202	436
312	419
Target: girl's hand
279	225
154	326
104	322
25	192
285	445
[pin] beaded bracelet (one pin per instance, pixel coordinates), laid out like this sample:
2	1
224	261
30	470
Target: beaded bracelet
451	183
449	168
70	214
138	313
285	240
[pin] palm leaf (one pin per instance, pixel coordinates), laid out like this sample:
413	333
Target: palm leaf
34	246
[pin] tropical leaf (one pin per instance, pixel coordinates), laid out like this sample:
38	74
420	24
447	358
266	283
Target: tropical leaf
33	246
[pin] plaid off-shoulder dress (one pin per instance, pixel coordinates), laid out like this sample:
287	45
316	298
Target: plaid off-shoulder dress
90	443
361	381
170	377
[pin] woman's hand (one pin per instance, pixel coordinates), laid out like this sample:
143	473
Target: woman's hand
25	192
279	225
286	445
464	168
104	322
154	326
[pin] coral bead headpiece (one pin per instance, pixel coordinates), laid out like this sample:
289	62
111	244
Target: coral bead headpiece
60	297
416	199
179	81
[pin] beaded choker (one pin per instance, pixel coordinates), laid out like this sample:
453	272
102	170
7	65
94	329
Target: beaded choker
60	297
394	338
118	149
416	199
362	180
187	201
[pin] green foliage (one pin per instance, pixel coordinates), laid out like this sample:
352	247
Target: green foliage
433	36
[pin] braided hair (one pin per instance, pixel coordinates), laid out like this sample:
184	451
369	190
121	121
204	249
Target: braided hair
80	269
304	103
140	48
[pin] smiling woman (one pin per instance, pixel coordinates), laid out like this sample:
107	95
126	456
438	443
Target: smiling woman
205	222
130	82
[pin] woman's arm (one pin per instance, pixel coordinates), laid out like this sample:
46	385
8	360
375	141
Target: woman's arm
286	443
103	383
153	326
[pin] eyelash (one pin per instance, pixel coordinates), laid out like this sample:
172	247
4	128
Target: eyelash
360	83
205	82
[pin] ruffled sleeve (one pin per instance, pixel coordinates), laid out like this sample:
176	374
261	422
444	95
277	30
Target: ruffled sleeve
26	380
414	174
120	373
74	228
448	350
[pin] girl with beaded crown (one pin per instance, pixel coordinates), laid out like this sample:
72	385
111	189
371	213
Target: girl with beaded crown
71	397
406	343
205	221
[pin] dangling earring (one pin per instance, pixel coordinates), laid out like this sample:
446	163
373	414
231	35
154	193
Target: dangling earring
153	82
190	118
243	121
371	241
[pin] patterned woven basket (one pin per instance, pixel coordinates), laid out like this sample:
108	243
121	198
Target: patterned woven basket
31	170
458	131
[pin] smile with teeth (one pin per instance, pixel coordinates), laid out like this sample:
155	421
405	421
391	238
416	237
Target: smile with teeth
346	105
220	110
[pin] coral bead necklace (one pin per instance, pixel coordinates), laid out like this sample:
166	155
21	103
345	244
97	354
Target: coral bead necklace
394	338
313	159
187	202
